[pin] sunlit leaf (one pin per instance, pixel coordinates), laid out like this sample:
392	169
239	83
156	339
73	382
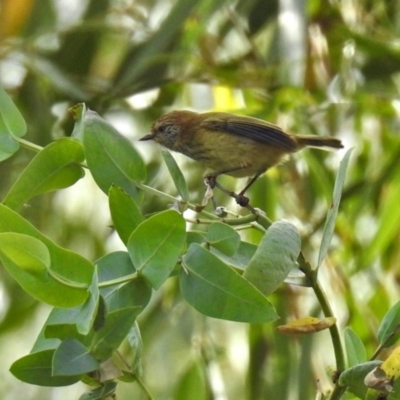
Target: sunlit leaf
29	253
55	167
70	267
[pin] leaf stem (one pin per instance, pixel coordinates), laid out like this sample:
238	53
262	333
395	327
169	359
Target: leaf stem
143	387
28	145
136	376
118	281
66	282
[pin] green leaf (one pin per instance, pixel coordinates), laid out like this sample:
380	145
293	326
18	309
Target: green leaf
156	244
242	256
62	324
73	358
276	255
354	377
88	310
135	294
41	285
223	238
176	175
117	326
8	146
193	377
125	213
390	326
216	290
136	343
67	265
111	158
55	167
333	210
29	253
195	237
355	349
105	391
44	343
114	266
36	369
10	116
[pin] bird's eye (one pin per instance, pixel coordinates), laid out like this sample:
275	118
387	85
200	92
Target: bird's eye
163	128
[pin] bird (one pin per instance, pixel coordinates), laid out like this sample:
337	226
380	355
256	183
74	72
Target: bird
235	145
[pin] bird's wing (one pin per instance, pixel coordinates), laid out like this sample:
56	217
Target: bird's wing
252	128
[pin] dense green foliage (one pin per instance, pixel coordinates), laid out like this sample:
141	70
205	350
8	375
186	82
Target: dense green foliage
110	273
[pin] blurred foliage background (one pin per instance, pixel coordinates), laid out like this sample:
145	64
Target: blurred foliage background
321	67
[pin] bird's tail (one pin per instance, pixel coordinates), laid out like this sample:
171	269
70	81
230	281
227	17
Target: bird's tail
318	141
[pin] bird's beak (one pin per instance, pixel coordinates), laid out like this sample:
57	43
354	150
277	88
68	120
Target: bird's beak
147	137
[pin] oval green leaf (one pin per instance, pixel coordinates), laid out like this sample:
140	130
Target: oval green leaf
355	349
223	238
216	290
8	146
353	377
10	116
125	212
156	244
73	269
111	158
29	253
389	329
36	369
55	167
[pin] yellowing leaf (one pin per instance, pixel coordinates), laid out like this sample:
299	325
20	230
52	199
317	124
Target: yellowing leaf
307	325
391	365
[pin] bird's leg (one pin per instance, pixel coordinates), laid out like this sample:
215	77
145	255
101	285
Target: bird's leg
241	198
211	181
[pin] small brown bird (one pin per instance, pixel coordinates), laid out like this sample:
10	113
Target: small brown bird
230	144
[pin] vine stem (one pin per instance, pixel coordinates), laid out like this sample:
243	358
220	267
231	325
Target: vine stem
338	390
137	377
